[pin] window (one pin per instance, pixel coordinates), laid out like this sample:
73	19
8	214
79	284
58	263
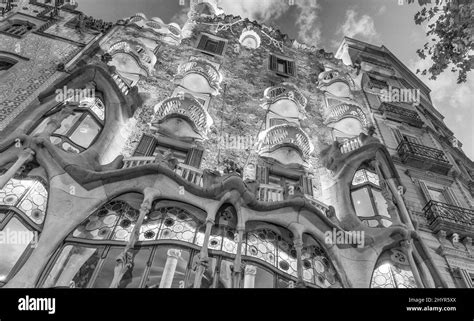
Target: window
211	44
368	200
393	270
149	146
377	83
79	129
23	205
282	66
6	64
18	28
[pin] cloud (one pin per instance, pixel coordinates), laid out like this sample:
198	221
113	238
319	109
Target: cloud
452	100
382	10
354	26
267	11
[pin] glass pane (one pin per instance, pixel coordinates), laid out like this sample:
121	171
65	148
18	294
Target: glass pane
13	191
169	268
67	123
225	275
34	204
74	267
207	280
41	127
256	277
178	224
285	284
261	244
16	238
362	203
437	195
380	203
86	132
132	278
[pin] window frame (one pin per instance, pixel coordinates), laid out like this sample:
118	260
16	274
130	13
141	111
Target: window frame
205	38
289	65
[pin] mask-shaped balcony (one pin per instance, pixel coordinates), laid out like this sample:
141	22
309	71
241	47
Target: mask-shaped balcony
450	218
182	117
424	157
286	100
199	76
286	143
344	110
401	114
132	59
337	83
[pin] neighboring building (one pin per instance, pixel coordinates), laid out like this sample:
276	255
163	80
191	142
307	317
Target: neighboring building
219	154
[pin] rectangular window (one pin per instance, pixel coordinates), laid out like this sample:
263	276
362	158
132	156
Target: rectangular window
211	44
282	66
377	83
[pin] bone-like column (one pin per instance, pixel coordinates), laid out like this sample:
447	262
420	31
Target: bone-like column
170	268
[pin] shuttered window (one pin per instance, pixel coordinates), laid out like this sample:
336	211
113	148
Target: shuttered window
306	184
211	45
282	66
262	174
194	157
146	146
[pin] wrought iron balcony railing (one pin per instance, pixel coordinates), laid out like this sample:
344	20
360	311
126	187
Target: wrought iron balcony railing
285	91
203	68
402	114
423	157
450	218
285	134
187	107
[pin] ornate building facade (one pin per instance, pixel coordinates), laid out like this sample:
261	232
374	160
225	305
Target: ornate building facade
219	154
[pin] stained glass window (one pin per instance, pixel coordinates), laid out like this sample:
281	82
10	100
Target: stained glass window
79	130
22	226
317	268
393	271
369	203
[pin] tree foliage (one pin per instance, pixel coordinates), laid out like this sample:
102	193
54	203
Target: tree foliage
450	36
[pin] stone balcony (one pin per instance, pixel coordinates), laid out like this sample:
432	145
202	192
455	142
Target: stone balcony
424	157
449	218
188	71
401	114
350	145
285	135
183	106
189	173
123	86
285	91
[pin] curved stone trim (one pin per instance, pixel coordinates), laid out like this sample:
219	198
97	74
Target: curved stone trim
285	90
285	134
203	68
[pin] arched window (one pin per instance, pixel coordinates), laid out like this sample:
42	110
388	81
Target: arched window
317	268
23	205
80	128
167	239
18	28
369	203
393	271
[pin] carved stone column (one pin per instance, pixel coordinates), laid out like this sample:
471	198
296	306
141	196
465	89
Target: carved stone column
237	269
298	243
25	156
203	260
406	247
125	259
170	268
249	276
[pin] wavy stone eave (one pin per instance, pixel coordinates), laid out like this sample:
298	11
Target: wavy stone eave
329	77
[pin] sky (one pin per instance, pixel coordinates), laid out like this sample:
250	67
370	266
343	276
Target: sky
324	23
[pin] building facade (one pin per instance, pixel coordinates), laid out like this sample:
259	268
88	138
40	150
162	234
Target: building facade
219	154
